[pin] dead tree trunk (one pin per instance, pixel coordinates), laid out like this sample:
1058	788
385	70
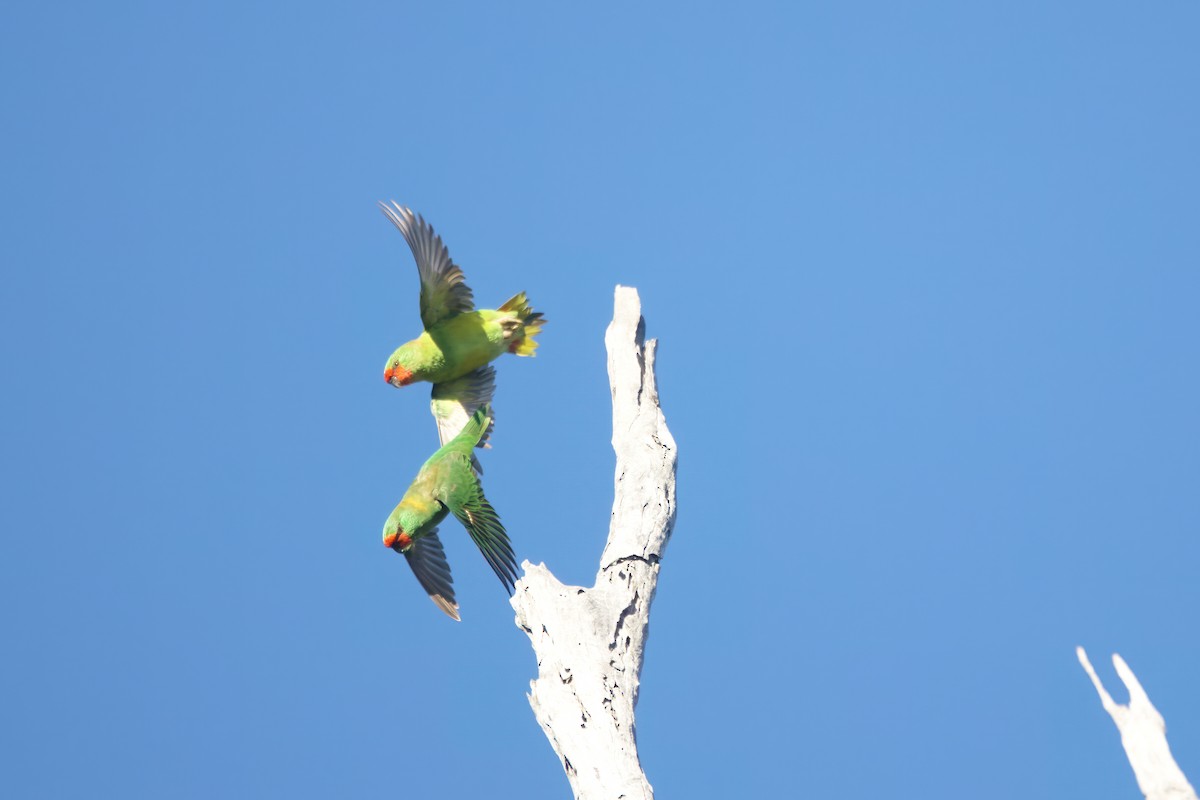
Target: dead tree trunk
589	642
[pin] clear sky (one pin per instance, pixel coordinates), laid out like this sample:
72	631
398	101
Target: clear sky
926	278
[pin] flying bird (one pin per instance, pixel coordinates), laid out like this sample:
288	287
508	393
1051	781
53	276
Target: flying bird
459	341
447	484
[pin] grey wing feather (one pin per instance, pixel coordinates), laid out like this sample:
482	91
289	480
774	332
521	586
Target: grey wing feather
427	558
444	291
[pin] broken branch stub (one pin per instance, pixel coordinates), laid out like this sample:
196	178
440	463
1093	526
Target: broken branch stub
1143	735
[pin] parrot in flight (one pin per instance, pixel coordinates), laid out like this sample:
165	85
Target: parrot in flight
447	484
459	341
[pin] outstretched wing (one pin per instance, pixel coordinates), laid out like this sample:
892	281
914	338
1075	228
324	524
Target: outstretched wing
444	291
453	402
472	509
428	561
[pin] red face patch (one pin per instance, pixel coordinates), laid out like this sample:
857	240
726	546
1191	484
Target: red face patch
397	376
397	539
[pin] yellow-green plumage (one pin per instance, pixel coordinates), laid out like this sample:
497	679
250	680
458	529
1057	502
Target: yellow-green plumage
465	342
447	484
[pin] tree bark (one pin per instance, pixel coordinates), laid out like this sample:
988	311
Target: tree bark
589	642
1143	735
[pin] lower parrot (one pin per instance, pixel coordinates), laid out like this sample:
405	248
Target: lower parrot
447	484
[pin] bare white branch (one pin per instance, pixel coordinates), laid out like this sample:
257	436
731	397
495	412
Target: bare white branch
1143	734
590	642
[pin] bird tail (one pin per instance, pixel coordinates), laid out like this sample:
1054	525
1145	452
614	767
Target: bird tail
476	429
531	323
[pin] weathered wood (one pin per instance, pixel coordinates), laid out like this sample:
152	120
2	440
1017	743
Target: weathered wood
589	642
1143	735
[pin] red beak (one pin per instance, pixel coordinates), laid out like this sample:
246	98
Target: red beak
387	374
390	539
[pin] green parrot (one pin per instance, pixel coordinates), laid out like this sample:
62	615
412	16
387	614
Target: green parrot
459	342
447	484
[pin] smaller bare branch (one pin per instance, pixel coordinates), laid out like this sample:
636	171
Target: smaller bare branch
1143	735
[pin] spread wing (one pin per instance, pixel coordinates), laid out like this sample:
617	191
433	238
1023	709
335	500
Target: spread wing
428	561
476	514
444	291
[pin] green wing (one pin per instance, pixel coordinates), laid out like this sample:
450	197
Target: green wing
444	291
472	509
427	558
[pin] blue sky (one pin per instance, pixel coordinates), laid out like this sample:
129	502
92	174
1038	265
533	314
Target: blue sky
925	278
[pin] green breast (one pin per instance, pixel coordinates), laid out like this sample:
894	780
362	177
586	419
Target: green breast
463	343
418	511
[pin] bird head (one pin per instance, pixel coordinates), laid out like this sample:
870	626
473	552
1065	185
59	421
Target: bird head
397	539
395	373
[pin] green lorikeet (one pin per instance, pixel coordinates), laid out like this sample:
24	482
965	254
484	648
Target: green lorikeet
459	341
447	484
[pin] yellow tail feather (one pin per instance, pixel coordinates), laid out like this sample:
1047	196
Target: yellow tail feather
531	321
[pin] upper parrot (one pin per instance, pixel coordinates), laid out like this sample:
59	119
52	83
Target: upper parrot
459	341
447	484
